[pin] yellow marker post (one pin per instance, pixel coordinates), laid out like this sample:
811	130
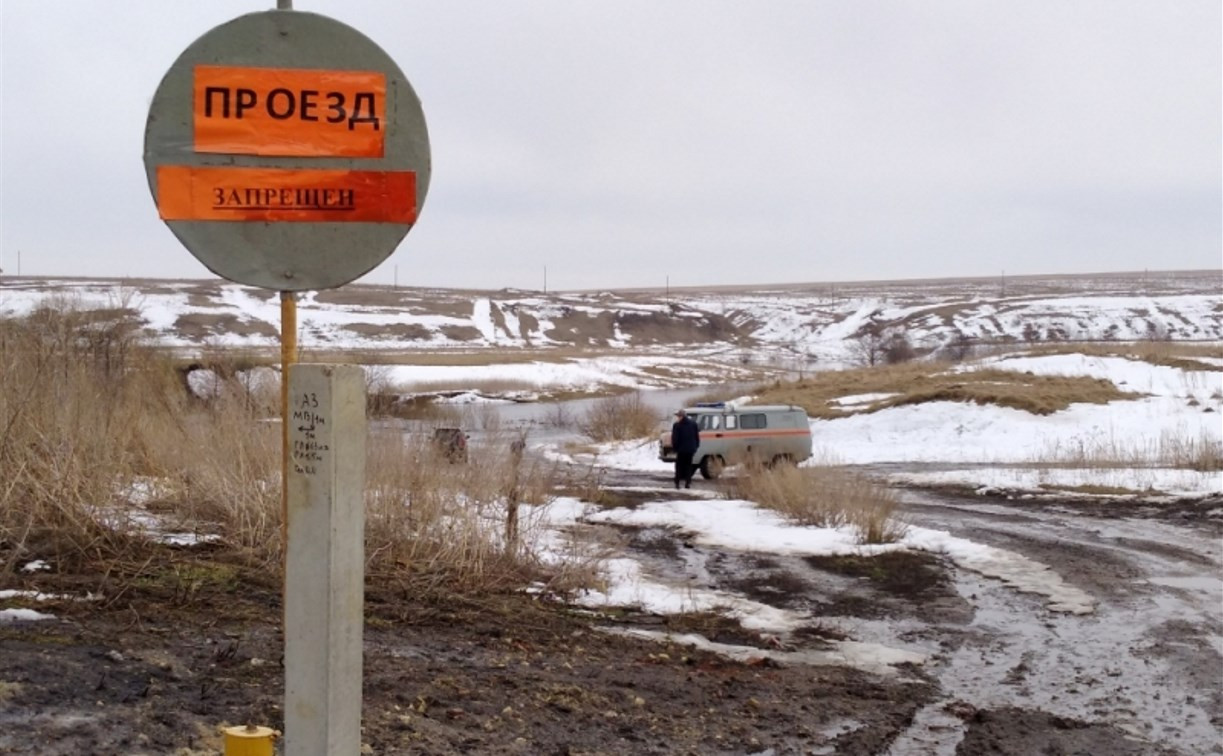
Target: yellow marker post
249	740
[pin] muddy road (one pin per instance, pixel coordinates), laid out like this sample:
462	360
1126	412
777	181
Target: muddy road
900	653
1141	672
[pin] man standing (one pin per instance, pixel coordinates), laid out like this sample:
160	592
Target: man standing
685	438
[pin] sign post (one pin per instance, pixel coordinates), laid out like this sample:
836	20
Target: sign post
324	569
287	151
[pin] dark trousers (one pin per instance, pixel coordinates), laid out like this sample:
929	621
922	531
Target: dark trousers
683	468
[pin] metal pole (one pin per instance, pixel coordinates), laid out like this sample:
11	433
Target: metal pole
288	356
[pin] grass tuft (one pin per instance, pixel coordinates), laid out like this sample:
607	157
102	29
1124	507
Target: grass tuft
619	418
920	382
1202	453
826	497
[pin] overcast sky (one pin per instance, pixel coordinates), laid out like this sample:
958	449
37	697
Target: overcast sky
701	142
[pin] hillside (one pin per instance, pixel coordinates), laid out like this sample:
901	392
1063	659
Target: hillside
817	322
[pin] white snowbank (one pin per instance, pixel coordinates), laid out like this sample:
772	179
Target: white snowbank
23	615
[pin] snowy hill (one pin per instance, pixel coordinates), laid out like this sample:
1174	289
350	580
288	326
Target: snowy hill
805	322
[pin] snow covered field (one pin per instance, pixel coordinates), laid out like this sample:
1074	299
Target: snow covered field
800	326
1124	446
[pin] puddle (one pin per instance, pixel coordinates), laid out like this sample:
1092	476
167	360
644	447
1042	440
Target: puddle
1103	669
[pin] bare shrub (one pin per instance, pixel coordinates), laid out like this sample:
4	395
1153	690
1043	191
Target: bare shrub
876	344
960	348
826	497
380	395
559	416
866	348
442	526
897	348
619	418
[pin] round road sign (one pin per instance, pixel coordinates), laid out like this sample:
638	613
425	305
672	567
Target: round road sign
286	150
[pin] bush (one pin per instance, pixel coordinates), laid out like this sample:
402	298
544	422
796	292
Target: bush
825	497
619	418
897	349
960	348
442	526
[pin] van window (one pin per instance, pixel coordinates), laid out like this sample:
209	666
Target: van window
753	421
710	422
730	422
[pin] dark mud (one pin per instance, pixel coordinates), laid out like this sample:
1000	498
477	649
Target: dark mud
1020	732
152	670
510	675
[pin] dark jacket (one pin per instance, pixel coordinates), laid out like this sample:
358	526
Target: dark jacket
685	436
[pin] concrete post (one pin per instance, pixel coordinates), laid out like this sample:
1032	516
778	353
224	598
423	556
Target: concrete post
325	569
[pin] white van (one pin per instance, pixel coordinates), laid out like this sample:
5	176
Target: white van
732	435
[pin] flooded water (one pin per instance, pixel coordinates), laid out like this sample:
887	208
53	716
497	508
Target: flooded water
664	401
553	421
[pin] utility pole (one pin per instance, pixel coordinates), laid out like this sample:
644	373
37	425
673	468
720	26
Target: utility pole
545	279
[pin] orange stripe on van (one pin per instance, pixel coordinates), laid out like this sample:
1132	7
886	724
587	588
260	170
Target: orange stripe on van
754	433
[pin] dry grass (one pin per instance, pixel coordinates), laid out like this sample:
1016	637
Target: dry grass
1202	453
89	417
442	526
95	428
68	427
918	382
1176	354
1091	489
826	497
619	418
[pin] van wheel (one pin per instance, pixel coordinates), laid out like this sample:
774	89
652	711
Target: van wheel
711	467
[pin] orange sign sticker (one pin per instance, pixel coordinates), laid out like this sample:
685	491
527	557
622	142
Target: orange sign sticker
285	195
289	111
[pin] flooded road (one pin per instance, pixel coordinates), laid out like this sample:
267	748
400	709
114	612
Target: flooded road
1139	673
1148	662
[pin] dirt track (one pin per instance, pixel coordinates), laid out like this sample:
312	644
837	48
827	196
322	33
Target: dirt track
155	672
